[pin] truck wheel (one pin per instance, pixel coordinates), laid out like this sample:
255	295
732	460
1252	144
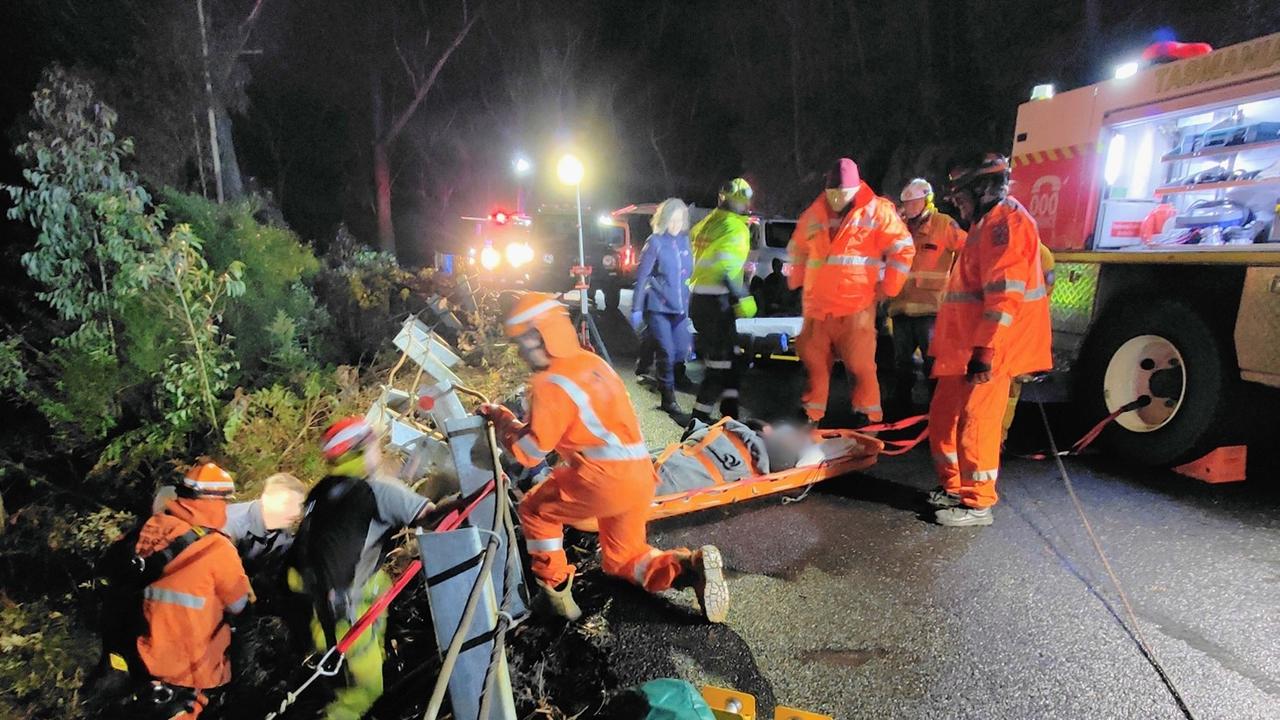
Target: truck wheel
1166	351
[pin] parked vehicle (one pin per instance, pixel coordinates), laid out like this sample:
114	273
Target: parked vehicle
1158	191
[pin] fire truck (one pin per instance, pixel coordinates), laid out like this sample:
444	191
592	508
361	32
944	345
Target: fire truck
1158	192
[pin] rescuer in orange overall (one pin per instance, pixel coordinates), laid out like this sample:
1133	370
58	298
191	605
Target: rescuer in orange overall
841	244
579	408
993	326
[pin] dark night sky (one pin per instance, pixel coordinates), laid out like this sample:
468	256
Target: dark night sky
659	98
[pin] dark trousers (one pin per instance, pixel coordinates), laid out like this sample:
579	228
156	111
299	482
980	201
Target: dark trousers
668	334
909	334
716	342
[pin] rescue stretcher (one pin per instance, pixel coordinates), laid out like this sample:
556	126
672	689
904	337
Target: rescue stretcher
858	456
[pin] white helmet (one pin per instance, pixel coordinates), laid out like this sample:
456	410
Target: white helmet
917	189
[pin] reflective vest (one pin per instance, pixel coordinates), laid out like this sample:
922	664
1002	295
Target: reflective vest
721	242
938	240
996	298
187	638
839	260
579	407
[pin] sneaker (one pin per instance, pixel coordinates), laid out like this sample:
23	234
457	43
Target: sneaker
703	570
963	517
941	499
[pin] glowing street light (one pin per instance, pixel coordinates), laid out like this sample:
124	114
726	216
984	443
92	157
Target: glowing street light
521	166
569	170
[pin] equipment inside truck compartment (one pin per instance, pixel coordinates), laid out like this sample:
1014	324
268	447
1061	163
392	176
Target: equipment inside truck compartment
1202	177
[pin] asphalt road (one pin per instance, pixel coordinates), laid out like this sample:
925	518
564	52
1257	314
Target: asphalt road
853	603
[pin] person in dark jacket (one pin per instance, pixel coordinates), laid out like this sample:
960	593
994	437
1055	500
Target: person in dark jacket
661	299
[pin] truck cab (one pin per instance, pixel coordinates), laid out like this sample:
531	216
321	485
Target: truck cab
1157	191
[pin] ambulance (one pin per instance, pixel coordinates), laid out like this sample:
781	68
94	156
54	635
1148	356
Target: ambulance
1158	192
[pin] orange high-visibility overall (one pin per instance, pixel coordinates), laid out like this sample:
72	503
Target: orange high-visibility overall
580	408
996	299
838	259
187	635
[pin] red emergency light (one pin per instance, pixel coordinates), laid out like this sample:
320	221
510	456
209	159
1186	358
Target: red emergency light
500	217
1169	51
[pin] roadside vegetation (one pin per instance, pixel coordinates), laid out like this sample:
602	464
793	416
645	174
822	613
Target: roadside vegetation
158	326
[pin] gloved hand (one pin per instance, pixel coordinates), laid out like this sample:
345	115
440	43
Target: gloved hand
979	369
745	308
501	417
637	319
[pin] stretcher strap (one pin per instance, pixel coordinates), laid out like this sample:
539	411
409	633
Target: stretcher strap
895	425
902	447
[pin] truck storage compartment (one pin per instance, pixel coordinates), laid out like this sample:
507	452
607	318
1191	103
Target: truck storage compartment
1200	178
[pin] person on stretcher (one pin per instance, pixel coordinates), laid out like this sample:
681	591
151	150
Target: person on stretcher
730	450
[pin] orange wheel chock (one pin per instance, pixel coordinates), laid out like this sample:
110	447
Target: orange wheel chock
1222	465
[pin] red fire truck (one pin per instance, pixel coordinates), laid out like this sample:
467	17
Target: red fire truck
1158	191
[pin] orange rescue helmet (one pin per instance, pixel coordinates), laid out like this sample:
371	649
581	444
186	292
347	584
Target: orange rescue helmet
207	480
544	313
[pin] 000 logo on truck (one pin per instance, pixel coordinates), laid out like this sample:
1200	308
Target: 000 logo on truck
1044	201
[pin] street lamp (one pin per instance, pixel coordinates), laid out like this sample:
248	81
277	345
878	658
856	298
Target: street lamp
521	167
570	171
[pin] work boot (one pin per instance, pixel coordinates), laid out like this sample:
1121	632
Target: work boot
963	516
561	601
643	367
941	499
683	383
669	404
703	570
729	407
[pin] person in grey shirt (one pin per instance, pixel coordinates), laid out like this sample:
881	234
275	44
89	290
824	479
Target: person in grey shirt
348	519
262	529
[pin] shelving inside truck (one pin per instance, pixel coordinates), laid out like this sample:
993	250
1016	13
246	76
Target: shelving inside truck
1193	180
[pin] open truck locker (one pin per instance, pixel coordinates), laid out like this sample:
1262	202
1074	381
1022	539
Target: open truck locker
1158	193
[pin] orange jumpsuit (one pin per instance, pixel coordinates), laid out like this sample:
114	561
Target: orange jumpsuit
996	298
187	634
579	407
838	258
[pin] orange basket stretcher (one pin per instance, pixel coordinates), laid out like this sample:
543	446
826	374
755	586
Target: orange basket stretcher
859	457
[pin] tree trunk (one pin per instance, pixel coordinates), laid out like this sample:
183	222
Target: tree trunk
382	186
232	182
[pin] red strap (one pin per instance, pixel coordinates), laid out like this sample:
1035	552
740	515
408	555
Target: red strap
902	447
896	425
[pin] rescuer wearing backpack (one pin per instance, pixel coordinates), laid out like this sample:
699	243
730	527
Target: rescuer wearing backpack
349	518
170	588
579	408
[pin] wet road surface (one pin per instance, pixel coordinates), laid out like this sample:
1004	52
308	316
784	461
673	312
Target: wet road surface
853	603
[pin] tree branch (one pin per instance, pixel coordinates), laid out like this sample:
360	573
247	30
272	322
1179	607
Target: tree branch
420	93
242	37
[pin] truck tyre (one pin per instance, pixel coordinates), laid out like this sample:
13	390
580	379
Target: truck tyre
1165	350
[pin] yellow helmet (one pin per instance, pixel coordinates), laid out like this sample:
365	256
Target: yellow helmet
547	315
737	194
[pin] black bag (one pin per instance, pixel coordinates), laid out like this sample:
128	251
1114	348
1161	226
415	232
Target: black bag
122	576
330	542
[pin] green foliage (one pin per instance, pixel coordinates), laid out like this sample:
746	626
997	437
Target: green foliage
278	428
277	311
367	296
94	219
43	654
